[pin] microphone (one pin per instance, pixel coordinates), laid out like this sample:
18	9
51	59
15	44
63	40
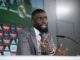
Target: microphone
61	36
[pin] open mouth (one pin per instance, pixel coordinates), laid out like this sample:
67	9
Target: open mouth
44	26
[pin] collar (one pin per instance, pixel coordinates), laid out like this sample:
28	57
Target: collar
37	32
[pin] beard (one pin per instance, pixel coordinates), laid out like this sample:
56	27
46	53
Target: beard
42	29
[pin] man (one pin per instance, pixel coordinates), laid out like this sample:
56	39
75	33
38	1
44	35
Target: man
37	40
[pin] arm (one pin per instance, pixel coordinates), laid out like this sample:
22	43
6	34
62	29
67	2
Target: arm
23	45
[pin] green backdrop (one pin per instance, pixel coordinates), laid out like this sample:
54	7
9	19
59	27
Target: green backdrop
18	12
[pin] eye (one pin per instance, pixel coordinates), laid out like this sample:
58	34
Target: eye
45	17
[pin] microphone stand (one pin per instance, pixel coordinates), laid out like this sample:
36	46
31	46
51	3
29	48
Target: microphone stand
61	36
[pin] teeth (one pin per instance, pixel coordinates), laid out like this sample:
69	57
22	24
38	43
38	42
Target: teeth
43	26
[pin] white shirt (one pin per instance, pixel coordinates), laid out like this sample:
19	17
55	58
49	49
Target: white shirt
38	37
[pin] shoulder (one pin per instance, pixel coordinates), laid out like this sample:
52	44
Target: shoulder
25	30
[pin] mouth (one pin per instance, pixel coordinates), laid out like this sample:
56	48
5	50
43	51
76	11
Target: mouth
44	26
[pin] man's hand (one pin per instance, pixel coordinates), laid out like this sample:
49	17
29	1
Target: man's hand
61	51
45	45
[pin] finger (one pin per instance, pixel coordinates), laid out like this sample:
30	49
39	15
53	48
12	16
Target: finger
61	45
40	42
66	49
44	44
45	41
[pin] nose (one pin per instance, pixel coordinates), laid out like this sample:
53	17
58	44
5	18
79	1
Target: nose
44	20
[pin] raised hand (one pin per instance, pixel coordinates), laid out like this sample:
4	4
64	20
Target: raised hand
45	45
61	50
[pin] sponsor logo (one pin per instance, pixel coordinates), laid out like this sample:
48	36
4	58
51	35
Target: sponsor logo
1	48
13	48
18	28
6	48
6	53
6	41
6	27
6	34
13	42
13	28
13	35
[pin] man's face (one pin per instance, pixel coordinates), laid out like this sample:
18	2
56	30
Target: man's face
40	22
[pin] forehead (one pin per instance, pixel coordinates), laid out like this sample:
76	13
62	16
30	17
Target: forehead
42	14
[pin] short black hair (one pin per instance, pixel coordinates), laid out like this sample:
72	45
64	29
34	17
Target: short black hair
37	11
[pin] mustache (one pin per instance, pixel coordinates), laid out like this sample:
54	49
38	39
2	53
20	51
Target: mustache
42	30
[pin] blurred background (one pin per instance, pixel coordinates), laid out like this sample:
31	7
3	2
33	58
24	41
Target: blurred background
63	21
